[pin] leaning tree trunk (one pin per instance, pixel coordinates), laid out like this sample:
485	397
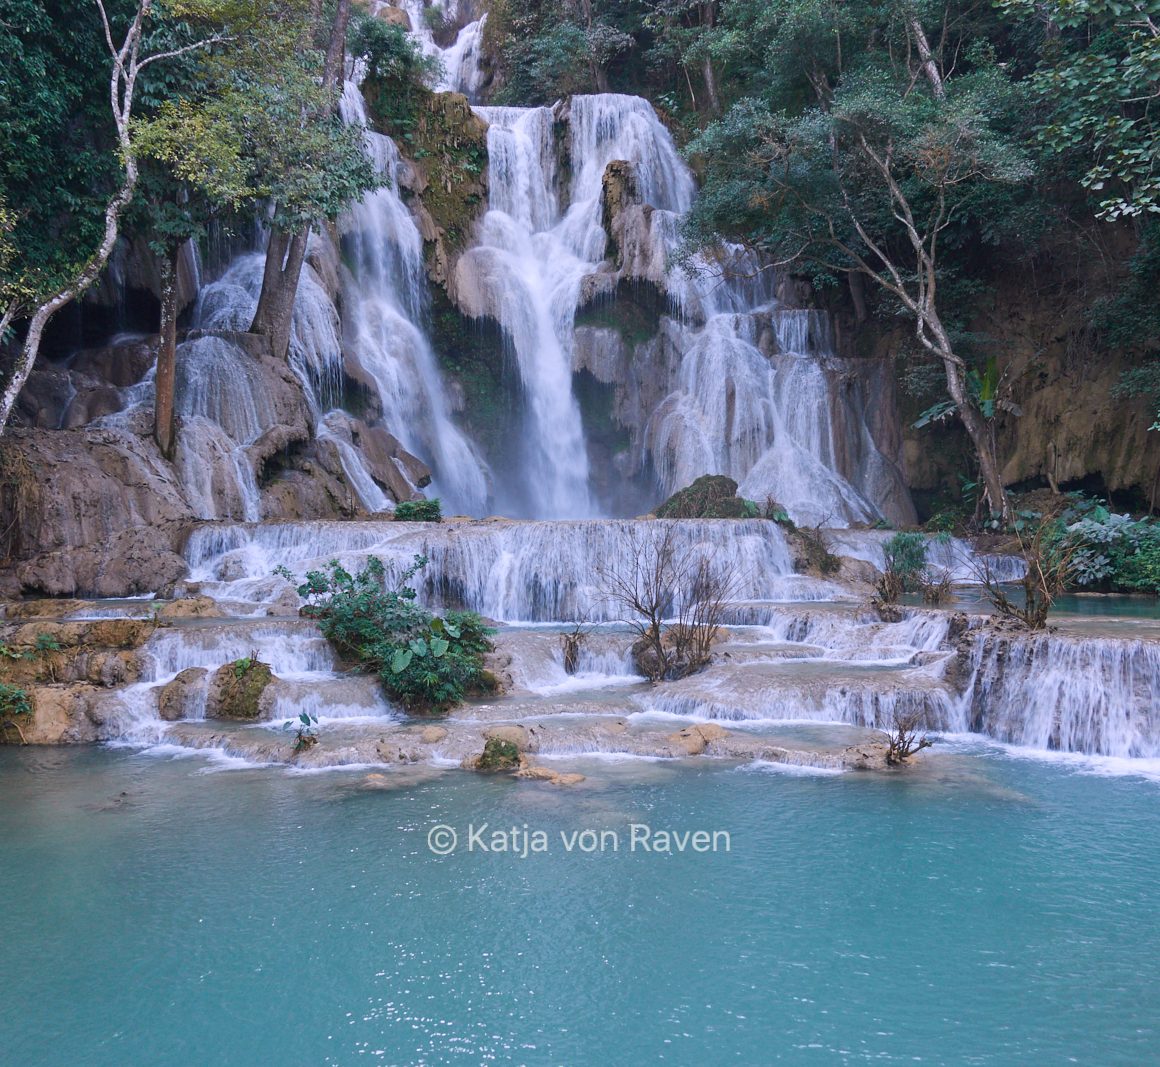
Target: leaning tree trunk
164	424
127	65
285	255
976	429
707	72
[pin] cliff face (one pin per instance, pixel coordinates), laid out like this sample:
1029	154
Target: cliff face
1063	427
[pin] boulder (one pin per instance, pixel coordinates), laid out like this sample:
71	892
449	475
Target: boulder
60	716
514	735
240	691
695	739
432	735
185	696
498	754
712	496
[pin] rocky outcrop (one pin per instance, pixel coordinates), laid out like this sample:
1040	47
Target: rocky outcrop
239	691
445	176
185	696
90	512
393	468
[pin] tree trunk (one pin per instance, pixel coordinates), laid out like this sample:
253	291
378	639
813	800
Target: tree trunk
286	252
929	67
976	429
164	425
858	296
285	255
332	70
707	71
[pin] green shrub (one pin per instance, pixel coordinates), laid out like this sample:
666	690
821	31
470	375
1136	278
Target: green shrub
419	511
14	702
1114	552
905	566
426	662
498	755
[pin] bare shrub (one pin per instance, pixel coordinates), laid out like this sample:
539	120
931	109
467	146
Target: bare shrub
937	587
572	641
906	736
1049	559
675	598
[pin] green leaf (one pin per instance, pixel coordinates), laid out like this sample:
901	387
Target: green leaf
401	660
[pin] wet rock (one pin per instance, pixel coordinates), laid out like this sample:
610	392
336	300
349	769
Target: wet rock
185	696
432	735
857	571
95	512
43	609
198	607
514	735
695	739
547	774
237	691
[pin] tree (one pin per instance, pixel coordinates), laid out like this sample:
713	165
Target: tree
676	599
254	126
904	146
128	58
1099	79
289	230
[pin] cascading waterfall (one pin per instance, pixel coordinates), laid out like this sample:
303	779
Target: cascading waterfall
384	300
460	66
733	382
743	386
526	275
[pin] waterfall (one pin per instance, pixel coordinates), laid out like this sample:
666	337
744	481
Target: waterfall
524	571
526	274
384	302
459	62
733	383
1066	693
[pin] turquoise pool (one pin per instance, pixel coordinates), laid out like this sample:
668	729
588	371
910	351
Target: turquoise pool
985	909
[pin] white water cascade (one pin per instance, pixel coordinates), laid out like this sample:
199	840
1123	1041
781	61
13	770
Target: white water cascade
460	61
384	298
733	383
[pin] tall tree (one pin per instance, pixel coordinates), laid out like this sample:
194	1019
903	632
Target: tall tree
904	145
286	250
129	56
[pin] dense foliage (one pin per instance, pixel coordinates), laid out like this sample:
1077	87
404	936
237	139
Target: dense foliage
425	661
419	511
1114	552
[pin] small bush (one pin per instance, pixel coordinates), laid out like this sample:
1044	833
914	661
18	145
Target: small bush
426	662
498	756
419	511
1114	552
905	566
14	706
14	701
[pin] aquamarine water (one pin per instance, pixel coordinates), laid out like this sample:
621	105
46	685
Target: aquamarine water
984	909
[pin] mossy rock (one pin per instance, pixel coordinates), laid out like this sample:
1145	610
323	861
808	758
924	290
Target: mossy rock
712	496
447	144
498	755
237	689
